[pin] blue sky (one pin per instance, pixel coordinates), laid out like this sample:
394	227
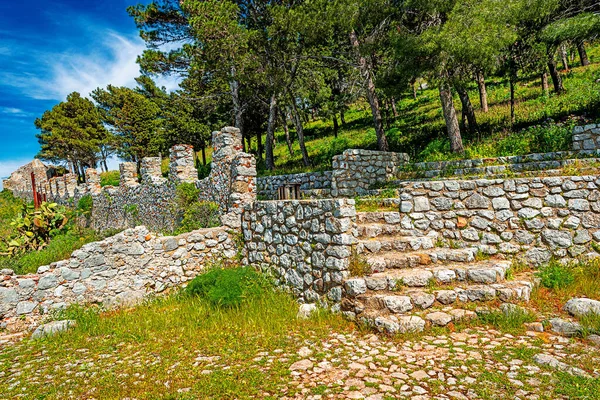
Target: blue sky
51	48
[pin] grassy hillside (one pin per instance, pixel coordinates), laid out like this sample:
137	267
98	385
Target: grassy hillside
419	129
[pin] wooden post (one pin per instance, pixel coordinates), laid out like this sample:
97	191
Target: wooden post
36	200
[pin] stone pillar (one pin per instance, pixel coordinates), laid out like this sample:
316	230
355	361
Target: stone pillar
181	165
243	189
128	171
61	188
151	171
92	178
70	184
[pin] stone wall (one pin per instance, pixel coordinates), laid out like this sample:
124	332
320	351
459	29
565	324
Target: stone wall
19	181
540	217
312	184
586	137
149	199
355	171
305	244
120	269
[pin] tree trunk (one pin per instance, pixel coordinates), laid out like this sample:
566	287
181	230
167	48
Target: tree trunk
259	145
468	109
563	57
288	140
512	79
582	54
335	126
483	101
237	106
386	114
300	132
414	89
395	111
545	83
269	161
204	155
456	144
342	117
556	79
367	74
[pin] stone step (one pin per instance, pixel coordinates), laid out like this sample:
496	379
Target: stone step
412	300
402	242
482	273
381	261
374	230
416	322
378	217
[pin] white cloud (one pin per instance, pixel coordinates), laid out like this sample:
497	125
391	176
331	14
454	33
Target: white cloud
110	61
8	166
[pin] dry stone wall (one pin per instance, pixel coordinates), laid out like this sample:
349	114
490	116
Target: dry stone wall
306	245
537	217
312	184
150	199
355	171
586	137
120	269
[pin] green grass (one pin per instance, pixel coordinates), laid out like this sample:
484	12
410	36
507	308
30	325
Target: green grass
563	282
511	322
419	129
59	248
179	347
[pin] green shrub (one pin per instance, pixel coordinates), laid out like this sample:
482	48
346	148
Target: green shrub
187	194
110	178
556	275
227	287
203	214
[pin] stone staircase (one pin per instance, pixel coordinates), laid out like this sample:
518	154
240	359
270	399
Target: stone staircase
410	283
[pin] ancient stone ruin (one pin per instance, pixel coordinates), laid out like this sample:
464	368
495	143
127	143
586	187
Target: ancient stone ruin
433	225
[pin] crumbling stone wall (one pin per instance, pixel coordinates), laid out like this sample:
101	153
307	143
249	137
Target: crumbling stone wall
149	199
19	182
121	269
306	244
537	217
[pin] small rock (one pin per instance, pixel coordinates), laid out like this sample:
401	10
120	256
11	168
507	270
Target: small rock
306	310
439	318
548	360
534	326
52	328
301	365
565	328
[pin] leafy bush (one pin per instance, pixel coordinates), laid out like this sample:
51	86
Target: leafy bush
34	228
227	287
203	214
192	213
187	194
110	178
556	275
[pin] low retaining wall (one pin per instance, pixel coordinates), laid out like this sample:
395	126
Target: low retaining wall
311	183
121	269
305	245
356	171
541	217
586	137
